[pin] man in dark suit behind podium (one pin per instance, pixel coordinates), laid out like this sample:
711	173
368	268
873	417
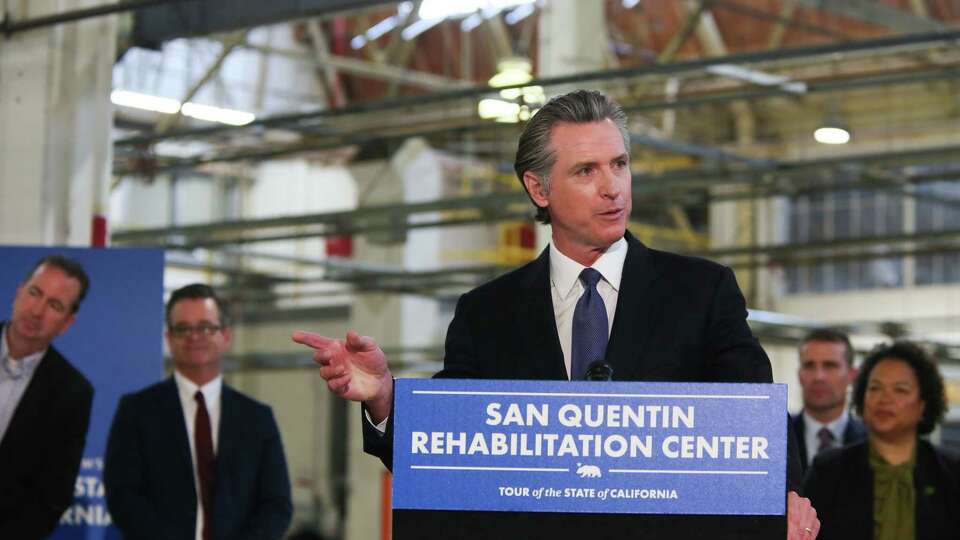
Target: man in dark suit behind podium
662	317
44	402
190	458
826	371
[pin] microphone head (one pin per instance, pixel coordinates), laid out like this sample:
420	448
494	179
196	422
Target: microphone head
598	370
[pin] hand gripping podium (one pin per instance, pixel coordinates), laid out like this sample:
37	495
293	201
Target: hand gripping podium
478	459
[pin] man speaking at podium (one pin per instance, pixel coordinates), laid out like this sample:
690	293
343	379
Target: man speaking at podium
595	293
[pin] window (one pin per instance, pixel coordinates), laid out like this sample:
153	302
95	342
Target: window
836	215
938	209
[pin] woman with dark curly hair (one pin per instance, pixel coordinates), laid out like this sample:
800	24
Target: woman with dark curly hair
895	485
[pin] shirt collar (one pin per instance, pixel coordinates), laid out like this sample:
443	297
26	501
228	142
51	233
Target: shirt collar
21	366
188	389
565	272
837	426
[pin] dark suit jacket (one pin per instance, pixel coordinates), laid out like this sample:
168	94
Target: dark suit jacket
41	450
149	471
853	433
840	486
677	319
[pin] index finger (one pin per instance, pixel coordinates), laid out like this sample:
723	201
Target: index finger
312	340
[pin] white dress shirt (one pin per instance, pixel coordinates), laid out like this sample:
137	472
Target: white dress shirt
15	376
186	389
566	289
811	427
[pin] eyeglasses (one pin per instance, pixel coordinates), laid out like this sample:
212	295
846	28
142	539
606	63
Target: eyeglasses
182	331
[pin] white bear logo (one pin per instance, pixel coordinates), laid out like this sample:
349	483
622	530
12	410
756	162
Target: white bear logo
588	471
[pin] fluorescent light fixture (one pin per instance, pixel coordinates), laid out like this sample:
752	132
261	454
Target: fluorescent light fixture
471	22
834	134
146	102
534	95
519	14
358	42
630	4
376	31
511	71
495	108
216	114
760	78
419	27
442	9
382	27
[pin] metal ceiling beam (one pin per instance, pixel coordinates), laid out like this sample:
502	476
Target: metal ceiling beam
778	18
365	219
511	205
849	249
370	70
321	54
10	26
780	27
406	102
229	44
452	281
707	153
337	139
153	26
878	13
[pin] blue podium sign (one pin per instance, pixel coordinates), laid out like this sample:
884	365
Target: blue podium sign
590	447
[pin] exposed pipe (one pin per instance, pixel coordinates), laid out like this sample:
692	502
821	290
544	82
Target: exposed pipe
345	139
8	26
653	69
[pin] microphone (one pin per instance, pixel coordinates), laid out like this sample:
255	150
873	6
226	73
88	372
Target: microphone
598	370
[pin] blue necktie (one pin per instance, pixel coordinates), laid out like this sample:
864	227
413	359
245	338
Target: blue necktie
589	326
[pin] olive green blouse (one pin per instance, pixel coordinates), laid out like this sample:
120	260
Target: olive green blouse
894	498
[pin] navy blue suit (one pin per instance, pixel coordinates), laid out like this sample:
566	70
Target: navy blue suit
149	472
41	450
677	319
853	433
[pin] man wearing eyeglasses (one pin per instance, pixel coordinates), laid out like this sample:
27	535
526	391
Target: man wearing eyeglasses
191	458
44	401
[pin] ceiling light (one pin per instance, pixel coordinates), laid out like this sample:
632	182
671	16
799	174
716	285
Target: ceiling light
498	109
511	72
759	78
382	27
217	114
519	14
146	102
832	134
441	9
471	22
518	102
419	27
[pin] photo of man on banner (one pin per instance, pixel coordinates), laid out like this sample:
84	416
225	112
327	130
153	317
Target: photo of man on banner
77	330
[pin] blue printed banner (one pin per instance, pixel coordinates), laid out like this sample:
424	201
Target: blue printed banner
115	342
592	447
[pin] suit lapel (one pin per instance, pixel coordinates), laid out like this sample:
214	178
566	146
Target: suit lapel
861	518
854	432
171	419
227	433
929	492
639	304
800	430
41	385
542	343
